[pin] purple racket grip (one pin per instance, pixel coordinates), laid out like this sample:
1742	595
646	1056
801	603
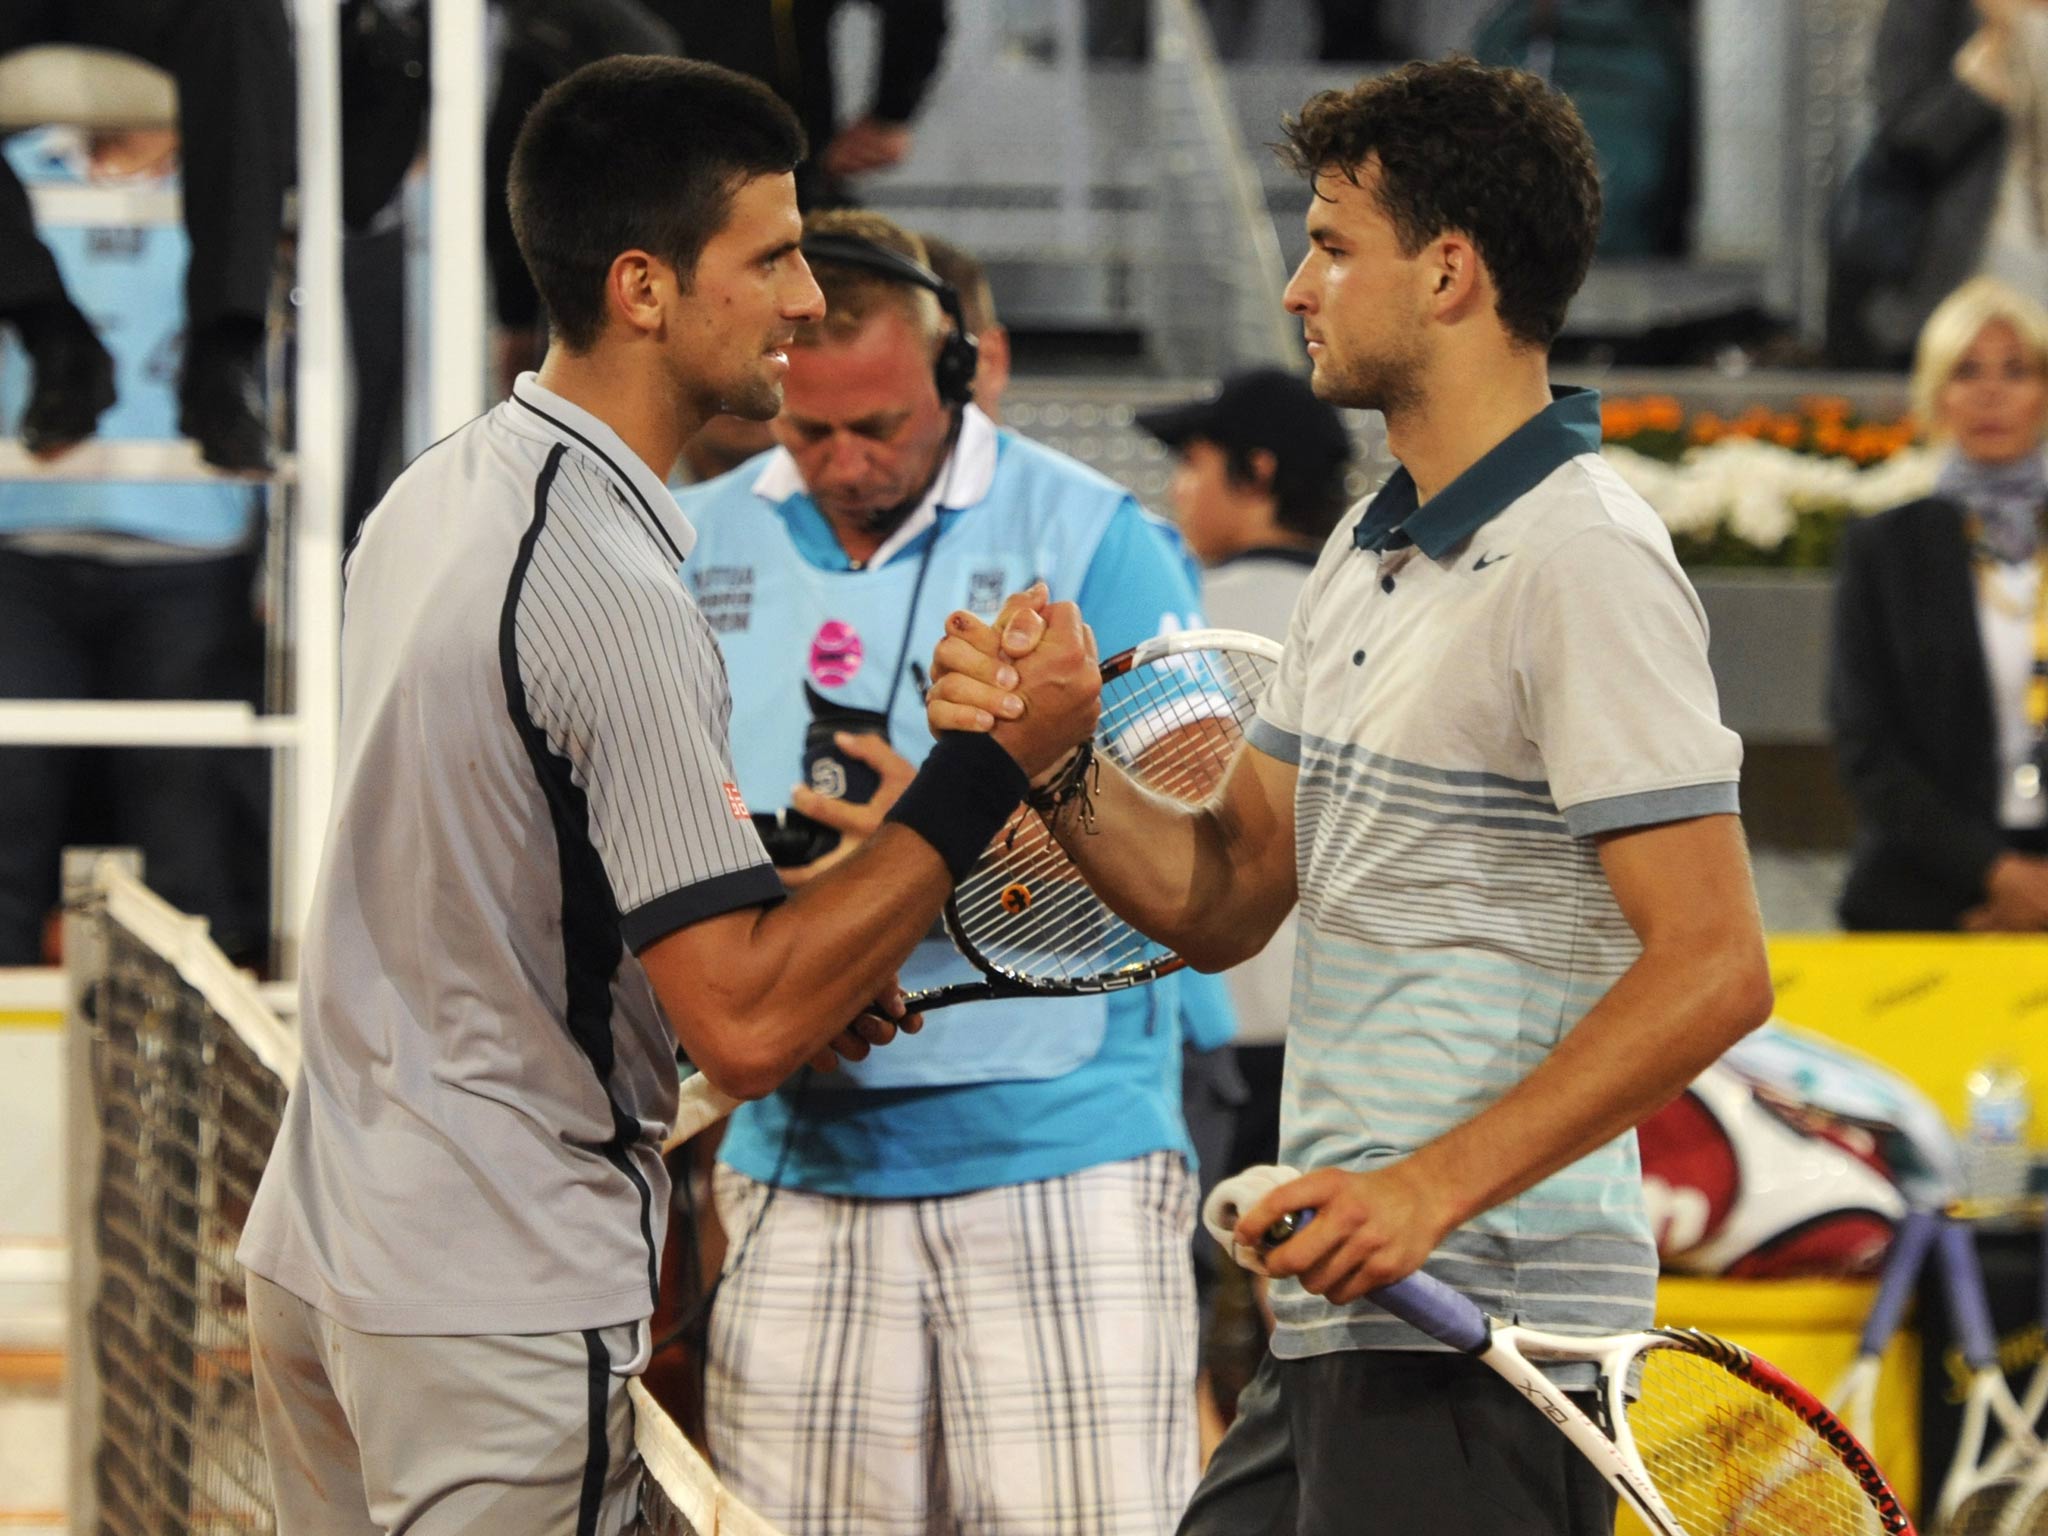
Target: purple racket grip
1428	1304
1964	1278
1902	1268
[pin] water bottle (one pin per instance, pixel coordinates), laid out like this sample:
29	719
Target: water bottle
1996	1157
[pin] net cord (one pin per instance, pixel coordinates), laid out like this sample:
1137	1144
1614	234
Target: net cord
184	944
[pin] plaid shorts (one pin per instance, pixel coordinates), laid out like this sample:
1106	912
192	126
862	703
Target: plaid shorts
1009	1362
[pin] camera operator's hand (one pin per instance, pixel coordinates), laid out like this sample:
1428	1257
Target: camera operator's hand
877	1025
855	823
974	676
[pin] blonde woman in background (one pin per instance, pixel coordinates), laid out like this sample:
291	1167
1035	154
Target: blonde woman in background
1938	689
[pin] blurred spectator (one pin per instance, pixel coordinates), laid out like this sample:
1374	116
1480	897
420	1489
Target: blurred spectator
1627	67
978	306
1939	684
125	591
786	43
2006	62
1914	215
232	62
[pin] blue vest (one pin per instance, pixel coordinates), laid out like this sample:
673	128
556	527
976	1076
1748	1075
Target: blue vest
131	284
784	622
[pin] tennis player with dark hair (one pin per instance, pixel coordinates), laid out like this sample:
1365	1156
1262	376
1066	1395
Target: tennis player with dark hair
1491	770
540	874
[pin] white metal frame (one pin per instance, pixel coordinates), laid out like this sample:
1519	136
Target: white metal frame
92	88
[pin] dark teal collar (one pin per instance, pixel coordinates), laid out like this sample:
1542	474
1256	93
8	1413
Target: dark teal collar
1566	428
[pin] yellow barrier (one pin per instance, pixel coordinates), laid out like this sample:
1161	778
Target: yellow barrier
1930	1008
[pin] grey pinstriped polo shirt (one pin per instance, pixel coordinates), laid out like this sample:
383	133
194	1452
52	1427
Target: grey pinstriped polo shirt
534	783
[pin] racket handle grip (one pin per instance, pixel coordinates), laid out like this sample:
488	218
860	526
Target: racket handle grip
1426	1303
1902	1268
1968	1310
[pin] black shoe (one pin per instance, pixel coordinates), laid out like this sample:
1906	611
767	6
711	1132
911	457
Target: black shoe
74	383
220	404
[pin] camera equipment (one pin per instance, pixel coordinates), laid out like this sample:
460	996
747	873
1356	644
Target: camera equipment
790	836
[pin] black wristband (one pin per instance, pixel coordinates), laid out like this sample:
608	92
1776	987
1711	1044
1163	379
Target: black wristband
966	790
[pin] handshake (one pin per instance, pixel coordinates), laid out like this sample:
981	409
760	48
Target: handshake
1031	679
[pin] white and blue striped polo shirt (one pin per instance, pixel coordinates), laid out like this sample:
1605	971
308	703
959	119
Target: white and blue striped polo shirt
1473	690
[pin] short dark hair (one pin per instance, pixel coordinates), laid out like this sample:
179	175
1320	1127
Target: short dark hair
1308	495
1494	154
633	153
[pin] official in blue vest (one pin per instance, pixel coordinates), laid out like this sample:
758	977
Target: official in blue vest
961	1272
126	590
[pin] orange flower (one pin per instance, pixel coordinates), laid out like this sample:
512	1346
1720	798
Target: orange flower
1786	431
1620	419
1830	408
1830	436
1707	427
1754	422
1663	413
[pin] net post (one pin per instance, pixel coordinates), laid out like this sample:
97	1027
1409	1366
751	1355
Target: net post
84	963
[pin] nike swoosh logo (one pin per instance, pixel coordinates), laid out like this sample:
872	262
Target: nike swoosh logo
1485	560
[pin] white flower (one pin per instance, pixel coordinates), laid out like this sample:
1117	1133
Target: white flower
1757	489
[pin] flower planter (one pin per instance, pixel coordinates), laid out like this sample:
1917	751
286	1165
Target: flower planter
1769	649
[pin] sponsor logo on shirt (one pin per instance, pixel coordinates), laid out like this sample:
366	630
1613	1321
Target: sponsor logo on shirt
725	596
737	801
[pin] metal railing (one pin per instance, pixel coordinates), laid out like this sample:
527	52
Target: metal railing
1215	273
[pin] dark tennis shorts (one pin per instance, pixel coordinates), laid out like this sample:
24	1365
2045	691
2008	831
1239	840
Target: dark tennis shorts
1388	1443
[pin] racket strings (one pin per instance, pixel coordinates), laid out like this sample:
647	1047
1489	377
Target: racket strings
1728	1457
1983	1511
1173	724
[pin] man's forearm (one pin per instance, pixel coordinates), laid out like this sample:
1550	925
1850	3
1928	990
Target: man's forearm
835	943
1669	1017
1175	872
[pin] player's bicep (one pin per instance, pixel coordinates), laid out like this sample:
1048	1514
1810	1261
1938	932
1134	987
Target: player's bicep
1681	877
703	973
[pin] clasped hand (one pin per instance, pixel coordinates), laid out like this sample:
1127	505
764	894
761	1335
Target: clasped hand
1032	679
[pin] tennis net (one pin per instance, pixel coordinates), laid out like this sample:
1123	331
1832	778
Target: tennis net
178	1085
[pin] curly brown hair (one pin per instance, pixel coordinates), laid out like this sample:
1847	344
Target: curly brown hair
1494	154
